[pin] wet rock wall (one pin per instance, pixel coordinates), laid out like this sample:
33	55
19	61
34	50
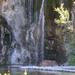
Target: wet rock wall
23	27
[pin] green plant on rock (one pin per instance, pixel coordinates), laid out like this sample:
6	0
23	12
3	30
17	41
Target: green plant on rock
63	23
64	31
63	17
71	58
71	52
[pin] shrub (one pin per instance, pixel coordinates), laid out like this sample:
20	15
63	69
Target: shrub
71	52
65	31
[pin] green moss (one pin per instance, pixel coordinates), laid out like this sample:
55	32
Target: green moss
70	4
71	53
49	4
70	18
37	5
56	2
71	60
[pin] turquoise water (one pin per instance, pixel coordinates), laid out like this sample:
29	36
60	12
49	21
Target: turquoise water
17	71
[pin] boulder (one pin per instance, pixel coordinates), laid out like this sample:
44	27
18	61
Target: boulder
48	63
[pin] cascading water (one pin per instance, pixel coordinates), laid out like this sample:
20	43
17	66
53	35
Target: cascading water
31	11
25	26
73	14
36	36
41	17
40	24
27	46
36	18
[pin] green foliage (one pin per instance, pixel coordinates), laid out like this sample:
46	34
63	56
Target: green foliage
56	2
64	25
71	57
64	15
65	30
63	18
71	60
70	4
25	73
71	52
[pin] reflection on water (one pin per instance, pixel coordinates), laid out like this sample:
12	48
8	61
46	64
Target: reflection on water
48	73
18	71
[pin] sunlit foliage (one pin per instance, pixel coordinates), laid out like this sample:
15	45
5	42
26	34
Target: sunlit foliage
66	31
65	27
63	17
25	73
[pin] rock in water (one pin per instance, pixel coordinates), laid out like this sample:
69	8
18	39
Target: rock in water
48	63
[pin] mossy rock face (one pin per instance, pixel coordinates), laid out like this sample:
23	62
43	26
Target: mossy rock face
51	3
55	3
48	4
70	4
37	5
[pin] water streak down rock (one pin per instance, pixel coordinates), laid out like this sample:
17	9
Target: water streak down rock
41	17
25	33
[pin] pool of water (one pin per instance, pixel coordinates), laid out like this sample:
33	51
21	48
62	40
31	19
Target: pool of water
18	71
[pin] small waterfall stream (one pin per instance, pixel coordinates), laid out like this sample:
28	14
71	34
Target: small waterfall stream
41	19
28	49
31	11
25	31
38	47
36	19
40	24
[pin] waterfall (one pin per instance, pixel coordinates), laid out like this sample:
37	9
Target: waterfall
41	18
31	11
38	54
36	44
36	19
28	48
40	28
31	48
73	15
41	12
22	32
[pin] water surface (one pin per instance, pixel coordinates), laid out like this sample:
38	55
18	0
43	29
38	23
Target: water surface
18	71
